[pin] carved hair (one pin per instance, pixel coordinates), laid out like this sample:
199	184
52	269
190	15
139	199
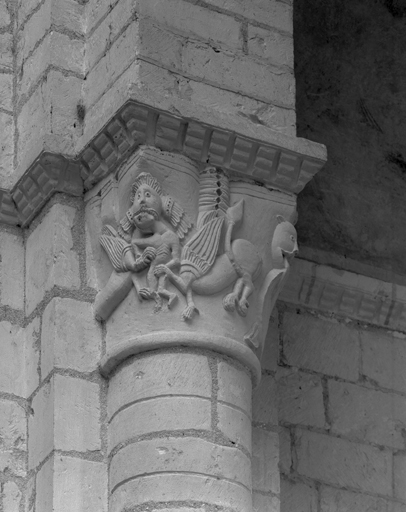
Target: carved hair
145	179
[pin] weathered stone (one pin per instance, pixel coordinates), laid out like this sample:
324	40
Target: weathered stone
234	386
193	20
343	463
11	497
20	356
6	147
44	487
300	398
399	475
6	55
321	345
384	359
50	259
12	270
160	414
367	415
41	425
265	461
76	414
179	374
70	337
271	45
6	91
285	451
13	438
261	502
298	497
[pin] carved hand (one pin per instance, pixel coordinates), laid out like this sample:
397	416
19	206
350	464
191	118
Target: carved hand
148	255
160	270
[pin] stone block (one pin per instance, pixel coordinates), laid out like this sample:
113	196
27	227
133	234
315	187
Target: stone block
261	502
399	475
25	7
6	148
79	485
300	398
264	402
159	374
160	414
55	50
384	359
77	415
20	356
50	259
343	463
194	20
6	91
71	338
119	57
235	386
273	13
5	18
13	438
44	487
298	497
180	487
321	345
285	451
12	270
265	461
34	30
6	51
159	45
12	496
336	500
235	425
108	30
41	425
33	124
96	11
240	74
367	415
271	46
270	356
186	455
69	15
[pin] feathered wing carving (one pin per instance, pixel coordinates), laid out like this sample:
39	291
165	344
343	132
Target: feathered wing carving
177	217
200	251
115	248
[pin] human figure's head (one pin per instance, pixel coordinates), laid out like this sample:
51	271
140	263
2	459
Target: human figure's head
146	200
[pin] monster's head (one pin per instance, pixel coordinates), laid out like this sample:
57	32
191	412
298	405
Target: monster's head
284	243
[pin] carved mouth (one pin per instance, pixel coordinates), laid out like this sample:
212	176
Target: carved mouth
145	210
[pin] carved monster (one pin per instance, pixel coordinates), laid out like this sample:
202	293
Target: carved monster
150	238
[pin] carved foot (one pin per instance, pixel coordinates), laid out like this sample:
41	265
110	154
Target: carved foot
189	312
242	307
158	302
161	270
229	302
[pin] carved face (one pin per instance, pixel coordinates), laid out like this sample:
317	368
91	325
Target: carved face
285	241
146	198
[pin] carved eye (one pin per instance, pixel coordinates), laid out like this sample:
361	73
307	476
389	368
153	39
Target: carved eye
292	238
147	194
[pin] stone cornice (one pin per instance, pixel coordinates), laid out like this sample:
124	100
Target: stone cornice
286	165
346	294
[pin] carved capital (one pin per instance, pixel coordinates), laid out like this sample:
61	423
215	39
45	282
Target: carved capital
191	255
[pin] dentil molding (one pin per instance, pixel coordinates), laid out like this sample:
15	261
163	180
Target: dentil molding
287	165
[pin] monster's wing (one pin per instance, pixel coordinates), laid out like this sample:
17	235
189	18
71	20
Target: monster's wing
177	216
115	248
200	251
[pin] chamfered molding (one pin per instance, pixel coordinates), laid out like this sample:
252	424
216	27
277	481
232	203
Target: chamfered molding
287	164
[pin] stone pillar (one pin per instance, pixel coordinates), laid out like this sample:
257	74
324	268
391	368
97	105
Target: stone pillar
189	286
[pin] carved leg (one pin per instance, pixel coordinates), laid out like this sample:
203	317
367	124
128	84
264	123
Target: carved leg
248	288
148	293
166	294
180	284
190	310
231	299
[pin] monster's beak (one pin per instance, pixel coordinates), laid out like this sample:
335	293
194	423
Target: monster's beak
289	255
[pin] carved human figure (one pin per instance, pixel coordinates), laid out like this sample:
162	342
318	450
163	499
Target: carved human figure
144	238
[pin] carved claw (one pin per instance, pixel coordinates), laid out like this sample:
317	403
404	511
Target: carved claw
242	307
229	302
189	312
